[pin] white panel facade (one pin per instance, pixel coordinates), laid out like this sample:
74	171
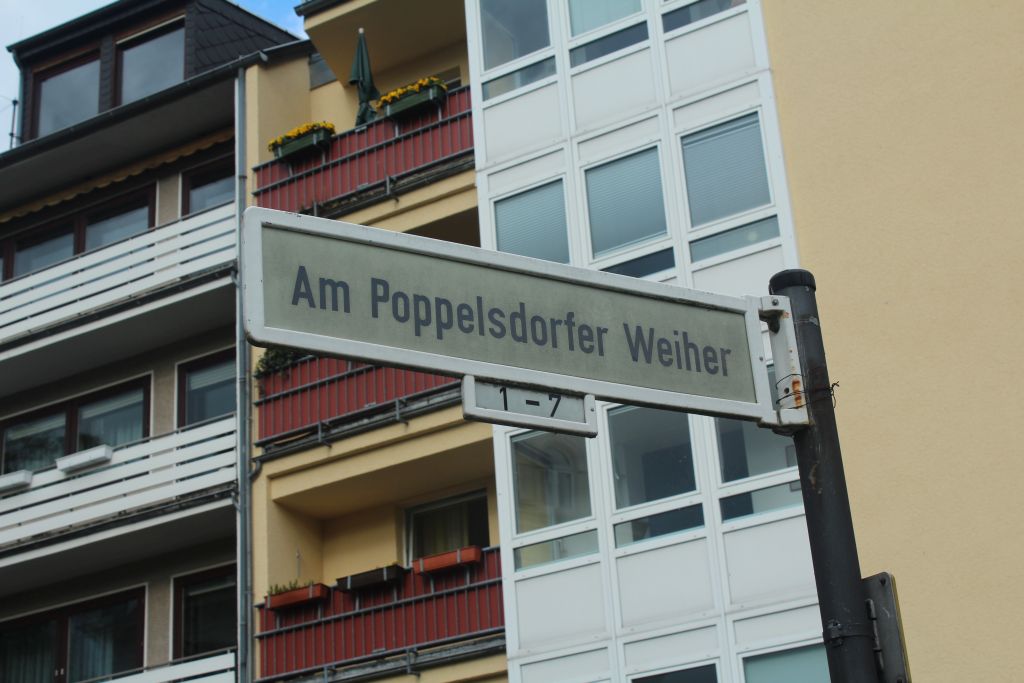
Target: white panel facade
640	137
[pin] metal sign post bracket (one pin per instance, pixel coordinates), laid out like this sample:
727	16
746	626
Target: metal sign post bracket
791	406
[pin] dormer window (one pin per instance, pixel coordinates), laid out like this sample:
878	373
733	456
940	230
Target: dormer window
68	94
151	62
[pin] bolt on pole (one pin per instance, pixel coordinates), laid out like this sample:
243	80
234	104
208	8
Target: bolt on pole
846	628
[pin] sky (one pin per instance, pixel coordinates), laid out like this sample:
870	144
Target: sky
20	19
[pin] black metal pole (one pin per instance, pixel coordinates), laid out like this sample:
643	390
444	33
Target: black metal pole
846	629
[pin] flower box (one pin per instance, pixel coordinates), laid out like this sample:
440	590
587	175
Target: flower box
313	593
304	143
412	101
381	576
448	560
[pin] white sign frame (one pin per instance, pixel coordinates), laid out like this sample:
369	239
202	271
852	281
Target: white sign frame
251	270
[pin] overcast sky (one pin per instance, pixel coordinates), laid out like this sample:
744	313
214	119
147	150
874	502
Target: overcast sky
20	19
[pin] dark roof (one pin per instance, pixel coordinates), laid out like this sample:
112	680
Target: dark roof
261	33
304	9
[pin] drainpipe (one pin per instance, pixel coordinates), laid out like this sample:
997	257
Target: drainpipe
243	671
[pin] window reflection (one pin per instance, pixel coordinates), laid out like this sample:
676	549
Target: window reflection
550	478
68	97
150	66
651	454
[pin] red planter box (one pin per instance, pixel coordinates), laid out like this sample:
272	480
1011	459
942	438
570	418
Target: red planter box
448	560
313	593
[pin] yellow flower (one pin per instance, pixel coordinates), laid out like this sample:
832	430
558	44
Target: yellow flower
299	132
415	86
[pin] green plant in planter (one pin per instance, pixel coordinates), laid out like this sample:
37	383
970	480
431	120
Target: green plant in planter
277	589
277	360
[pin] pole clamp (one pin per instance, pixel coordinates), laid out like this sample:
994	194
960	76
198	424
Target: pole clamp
835	632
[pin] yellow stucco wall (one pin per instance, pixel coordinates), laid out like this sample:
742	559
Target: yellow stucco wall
900	125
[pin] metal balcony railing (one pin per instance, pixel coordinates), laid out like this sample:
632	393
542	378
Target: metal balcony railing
117	273
420	612
315	391
137	477
369	157
218	668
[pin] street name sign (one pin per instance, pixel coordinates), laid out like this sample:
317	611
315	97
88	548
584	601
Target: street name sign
525	407
341	289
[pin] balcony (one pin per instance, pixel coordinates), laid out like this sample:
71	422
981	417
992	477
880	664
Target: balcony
165	284
419	613
315	394
372	161
178	481
206	669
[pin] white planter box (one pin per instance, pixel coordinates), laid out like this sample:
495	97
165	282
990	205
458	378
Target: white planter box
83	459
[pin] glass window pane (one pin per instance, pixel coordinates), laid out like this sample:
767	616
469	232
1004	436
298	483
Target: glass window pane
663	523
39	255
700	674
113	421
512	29
210	392
69	97
153	65
519	78
450	527
746	450
702	9
567	547
208	615
550	478
651	454
210	191
28	652
103	231
532	223
803	665
725	170
35	443
734	239
645	265
104	640
625	201
608	44
763	500
585	15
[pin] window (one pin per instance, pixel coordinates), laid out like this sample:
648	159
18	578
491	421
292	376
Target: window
550	480
702	9
208	186
205	618
449	525
92	228
75	643
725	170
512	29
519	78
700	674
585	15
802	665
625	202
532	223
206	388
115	416
151	63
608	44
651	455
67	95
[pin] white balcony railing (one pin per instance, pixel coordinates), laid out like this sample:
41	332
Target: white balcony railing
137	477
216	669
111	275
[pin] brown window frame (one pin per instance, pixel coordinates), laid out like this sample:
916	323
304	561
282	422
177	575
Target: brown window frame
62	616
70	409
191	366
143	35
180	583
44	73
449	501
208	169
77	222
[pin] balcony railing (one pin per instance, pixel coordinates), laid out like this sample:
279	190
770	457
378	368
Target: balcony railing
138	477
369	157
319	391
218	668
117	273
419	613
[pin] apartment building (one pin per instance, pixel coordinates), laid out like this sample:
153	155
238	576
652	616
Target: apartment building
118	354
